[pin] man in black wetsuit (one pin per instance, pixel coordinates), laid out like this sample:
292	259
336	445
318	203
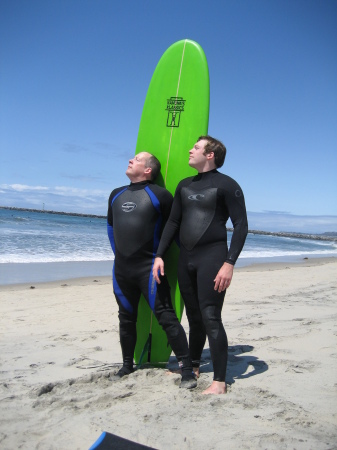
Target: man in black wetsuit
136	216
201	207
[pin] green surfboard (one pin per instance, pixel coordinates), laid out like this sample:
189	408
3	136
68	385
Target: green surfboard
175	114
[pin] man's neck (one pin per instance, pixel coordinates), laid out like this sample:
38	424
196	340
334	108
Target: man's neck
207	167
138	180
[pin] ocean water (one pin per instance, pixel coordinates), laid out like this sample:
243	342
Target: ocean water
32	237
44	247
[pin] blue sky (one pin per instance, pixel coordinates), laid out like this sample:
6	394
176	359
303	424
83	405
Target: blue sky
74	76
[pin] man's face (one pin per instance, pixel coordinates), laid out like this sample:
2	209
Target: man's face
136	170
197	157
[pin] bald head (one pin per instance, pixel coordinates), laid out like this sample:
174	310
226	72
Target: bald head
144	166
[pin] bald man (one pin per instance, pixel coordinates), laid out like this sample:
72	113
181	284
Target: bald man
137	214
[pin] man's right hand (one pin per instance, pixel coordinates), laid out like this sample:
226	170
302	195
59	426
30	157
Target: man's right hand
158	268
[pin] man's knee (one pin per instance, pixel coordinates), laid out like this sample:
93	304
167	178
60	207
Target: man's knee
168	320
126	320
212	321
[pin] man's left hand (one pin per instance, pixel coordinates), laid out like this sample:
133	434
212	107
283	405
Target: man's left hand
224	277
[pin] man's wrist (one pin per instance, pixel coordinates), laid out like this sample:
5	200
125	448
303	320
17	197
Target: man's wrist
229	261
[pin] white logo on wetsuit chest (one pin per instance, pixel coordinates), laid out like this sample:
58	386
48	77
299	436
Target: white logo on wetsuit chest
196	197
129	206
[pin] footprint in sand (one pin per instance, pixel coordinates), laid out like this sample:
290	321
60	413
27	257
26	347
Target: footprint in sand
302	366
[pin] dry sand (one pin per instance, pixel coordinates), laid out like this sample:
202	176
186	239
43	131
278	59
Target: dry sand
59	342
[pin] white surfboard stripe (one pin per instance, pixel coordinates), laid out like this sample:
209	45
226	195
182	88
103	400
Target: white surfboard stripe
169	148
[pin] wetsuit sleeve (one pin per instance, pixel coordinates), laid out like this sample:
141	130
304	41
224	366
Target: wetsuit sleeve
110	222
237	212
165	206
172	225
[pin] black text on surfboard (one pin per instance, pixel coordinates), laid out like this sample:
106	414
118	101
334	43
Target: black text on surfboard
175	106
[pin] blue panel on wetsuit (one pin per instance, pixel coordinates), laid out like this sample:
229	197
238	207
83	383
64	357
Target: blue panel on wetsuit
156	233
153	198
152	290
119	294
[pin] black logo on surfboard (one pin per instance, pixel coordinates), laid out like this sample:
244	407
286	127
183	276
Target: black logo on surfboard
175	106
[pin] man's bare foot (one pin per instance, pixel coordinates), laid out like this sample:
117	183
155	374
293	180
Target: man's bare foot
170	372
217	387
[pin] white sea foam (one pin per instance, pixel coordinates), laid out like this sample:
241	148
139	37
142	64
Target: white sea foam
24	259
280	253
45	238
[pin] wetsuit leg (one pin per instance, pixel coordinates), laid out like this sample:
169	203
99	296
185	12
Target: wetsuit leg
159	299
127	295
168	320
187	278
127	289
211	303
200	298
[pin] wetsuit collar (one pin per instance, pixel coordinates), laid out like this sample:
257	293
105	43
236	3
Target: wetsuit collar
205	174
208	171
139	185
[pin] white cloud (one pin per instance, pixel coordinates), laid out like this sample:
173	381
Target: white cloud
283	221
23	187
58	198
76	191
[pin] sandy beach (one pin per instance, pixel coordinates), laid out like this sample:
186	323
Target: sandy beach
59	342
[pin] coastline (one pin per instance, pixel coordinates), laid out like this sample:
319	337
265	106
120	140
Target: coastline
318	237
60	342
18	273
87	279
23	273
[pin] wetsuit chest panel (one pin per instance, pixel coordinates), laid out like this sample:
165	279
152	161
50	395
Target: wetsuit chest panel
199	207
134	219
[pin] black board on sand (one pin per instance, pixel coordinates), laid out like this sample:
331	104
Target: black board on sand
109	441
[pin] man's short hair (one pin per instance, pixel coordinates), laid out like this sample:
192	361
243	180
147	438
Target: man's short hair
215	146
154	164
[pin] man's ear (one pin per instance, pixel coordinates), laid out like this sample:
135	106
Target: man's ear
210	155
147	171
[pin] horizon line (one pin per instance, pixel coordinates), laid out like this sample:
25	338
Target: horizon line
326	236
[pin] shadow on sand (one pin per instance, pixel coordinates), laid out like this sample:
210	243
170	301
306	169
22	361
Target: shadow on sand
239	365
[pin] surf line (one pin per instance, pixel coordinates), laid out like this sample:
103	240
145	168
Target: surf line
169	149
